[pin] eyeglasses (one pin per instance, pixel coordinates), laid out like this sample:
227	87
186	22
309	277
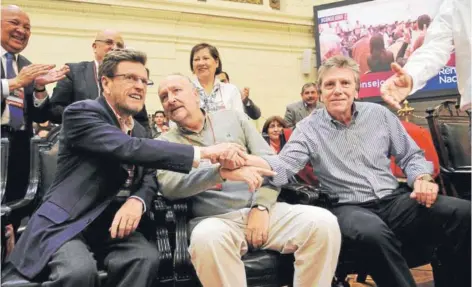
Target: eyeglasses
133	79
110	42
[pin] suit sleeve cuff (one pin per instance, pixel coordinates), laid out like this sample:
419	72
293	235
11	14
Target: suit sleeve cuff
142	201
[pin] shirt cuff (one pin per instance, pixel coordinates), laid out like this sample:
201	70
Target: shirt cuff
5	88
38	102
142	201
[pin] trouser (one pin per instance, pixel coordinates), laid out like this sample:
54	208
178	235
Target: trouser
310	233
131	261
377	229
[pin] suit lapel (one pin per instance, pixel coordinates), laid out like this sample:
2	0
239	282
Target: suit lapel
91	80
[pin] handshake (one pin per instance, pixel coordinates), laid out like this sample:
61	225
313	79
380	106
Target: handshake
237	165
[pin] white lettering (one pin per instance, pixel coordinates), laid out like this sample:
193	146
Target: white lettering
447	79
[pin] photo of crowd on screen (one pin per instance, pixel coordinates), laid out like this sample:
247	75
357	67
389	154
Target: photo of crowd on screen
376	34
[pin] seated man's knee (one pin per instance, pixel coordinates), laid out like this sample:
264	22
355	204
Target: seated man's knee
147	256
373	233
80	271
209	234
320	221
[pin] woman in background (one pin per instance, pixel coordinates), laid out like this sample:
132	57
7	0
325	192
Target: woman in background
272	129
205	63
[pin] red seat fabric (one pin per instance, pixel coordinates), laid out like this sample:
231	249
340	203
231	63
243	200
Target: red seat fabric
423	139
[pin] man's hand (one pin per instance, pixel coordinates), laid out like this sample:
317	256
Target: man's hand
245	94
249	174
127	218
52	76
29	73
425	192
229	155
257	228
397	87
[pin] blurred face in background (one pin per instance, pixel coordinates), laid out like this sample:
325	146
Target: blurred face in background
222	77
275	130
105	41
159	119
310	95
204	65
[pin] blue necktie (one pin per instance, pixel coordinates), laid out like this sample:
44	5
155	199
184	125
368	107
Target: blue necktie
16	113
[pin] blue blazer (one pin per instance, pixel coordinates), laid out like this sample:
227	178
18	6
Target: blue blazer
90	172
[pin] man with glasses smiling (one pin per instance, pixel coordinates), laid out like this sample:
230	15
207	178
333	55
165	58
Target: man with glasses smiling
81	82
104	186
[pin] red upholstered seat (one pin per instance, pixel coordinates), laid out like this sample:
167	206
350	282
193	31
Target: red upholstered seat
423	139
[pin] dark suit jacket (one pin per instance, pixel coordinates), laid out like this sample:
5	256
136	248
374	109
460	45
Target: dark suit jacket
19	159
80	84
92	151
297	111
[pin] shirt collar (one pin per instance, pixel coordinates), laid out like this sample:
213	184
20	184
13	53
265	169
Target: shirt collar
3	51
186	131
216	84
355	113
126	124
96	67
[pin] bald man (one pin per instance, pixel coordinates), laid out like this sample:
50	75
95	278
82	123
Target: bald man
23	92
82	81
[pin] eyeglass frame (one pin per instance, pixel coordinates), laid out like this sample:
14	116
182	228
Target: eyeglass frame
146	82
110	42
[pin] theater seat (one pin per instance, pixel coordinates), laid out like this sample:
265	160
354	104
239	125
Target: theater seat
423	139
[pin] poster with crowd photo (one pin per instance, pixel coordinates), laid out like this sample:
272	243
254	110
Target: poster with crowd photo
377	33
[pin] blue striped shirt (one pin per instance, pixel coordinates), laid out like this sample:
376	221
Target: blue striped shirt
352	161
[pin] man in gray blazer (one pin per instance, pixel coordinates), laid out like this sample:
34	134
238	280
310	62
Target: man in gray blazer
298	111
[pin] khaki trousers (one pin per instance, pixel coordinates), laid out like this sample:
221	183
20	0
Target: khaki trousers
311	233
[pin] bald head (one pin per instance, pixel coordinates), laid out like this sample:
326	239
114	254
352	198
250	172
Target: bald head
16	29
105	41
180	99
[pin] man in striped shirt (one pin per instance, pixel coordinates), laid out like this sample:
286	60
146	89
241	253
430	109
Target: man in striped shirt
349	145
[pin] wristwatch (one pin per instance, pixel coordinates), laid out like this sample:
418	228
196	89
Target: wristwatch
426	177
260	207
39	90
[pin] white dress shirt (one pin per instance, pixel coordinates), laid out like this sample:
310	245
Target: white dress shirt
451	28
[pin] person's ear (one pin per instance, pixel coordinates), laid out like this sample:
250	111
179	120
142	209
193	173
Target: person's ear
106	85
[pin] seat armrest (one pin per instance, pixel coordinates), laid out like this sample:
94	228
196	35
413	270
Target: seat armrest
297	193
158	216
184	271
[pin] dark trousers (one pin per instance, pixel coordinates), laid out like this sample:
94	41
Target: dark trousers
377	230
131	261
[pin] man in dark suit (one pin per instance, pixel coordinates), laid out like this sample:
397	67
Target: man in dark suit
23	91
298	111
250	107
105	184
81	82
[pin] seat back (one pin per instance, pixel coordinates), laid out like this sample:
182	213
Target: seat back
450	132
423	139
4	167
